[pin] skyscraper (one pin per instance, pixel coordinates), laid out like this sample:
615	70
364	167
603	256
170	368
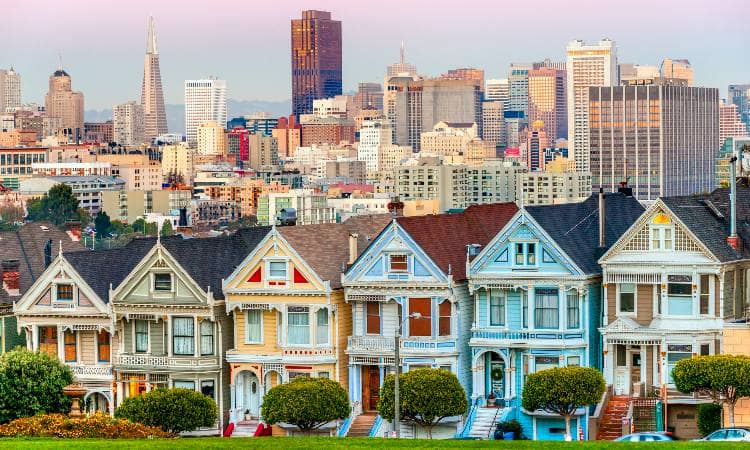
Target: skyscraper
128	124
547	102
369	95
587	65
316	59
10	90
152	97
518	78
739	94
677	69
730	124
64	105
204	100
402	67
465	73
497	90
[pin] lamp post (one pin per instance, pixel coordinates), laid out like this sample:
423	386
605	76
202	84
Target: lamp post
397	363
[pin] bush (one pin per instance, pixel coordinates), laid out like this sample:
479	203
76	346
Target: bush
306	402
709	418
32	383
97	426
511	426
426	396
172	410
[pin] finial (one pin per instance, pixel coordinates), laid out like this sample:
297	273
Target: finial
59	60
403	53
60	252
151	37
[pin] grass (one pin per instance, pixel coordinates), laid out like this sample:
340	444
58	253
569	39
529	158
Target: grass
349	443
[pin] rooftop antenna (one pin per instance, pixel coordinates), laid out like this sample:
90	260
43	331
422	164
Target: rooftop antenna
59	60
403	53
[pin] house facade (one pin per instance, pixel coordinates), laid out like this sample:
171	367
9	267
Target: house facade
536	288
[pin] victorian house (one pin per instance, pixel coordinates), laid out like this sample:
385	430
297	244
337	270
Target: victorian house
412	281
536	289
671	282
287	305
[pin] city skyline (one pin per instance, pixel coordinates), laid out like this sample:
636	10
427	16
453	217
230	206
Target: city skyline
190	50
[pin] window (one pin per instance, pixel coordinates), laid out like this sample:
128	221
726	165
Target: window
65	292
373	317
444	321
574	361
207	338
545	362
676	353
324	375
546	314
277	270
103	346
423	325
162	282
398	263
627	298
705	293
662	233
574	310
70	346
519	254
183	336
298	318
321	329
497	308
679	295
184	384
525	254
530	254
524	309
207	388
141	336
48	340
705	349
253	335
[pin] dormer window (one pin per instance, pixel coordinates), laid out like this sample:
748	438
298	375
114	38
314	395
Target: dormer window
65	292
662	233
277	270
398	263
162	282
525	254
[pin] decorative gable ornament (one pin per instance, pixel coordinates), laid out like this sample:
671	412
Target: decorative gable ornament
256	277
298	277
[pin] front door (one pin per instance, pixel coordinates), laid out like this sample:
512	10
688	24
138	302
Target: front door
248	389
622	370
371	387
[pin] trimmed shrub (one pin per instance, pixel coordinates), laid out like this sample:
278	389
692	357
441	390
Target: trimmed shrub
308	403
32	383
100	426
709	418
173	410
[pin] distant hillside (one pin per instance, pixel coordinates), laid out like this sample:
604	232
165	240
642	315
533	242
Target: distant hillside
176	113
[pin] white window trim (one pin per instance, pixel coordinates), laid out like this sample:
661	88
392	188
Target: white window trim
618	312
310	331
525	243
213	338
380	317
658	231
262	330
489	310
134	337
328	327
268	262
388	262
711	294
171	290
579	297
58	282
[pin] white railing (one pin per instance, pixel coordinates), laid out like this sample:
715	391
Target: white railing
166	361
83	370
305	351
371	343
366	344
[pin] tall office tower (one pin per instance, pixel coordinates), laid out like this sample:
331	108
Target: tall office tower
497	90
263	151
128	124
730	124
152	97
493	123
465	73
204	100
373	136
369	96
677	69
402	67
65	105
10	90
547	101
402	106
288	134
316	59
661	139
452	101
212	140
739	94
536	140
587	65
518	80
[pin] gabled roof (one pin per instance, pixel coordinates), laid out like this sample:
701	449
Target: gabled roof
444	237
27	246
325	247
699	215
575	226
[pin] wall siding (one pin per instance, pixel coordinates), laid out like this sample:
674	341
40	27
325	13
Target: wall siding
465	303
87	344
645	301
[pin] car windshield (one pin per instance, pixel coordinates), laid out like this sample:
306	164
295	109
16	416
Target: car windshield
717	435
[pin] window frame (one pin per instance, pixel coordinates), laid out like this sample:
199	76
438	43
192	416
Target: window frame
405	262
156	283
103	344
443	318
322	312
502	306
525	258
273	277
292	310
45	344
212	348
379	318
572	294
136	333
70	333
58	298
538	308
704	293
620	291
175	336
419	323
658	238
248	312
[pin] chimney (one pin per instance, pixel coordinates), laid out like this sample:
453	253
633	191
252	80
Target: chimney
11	277
602	240
396	207
733	240
624	189
353	247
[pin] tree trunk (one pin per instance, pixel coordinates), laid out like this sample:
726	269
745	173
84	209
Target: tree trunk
429	431
568	437
731	413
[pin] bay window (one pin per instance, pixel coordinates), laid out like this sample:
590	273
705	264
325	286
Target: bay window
546	309
444	319
626	299
141	336
676	353
497	308
679	295
48	340
574	310
421	326
298	325
207	338
103	346
321	333
183	336
69	339
705	294
253	334
373	317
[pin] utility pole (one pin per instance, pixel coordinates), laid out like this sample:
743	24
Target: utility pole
397	406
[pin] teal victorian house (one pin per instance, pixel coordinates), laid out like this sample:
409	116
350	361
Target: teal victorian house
537	293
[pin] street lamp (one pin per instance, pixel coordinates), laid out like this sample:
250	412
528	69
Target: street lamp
397	363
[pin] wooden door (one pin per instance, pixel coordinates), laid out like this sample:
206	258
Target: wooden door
370	387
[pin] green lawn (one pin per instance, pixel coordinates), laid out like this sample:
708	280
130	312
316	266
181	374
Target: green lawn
292	443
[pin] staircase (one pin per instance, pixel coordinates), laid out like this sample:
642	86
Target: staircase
610	427
484	423
245	428
361	425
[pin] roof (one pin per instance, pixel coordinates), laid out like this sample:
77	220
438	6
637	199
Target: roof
575	226
27	245
444	237
60	73
325	247
699	215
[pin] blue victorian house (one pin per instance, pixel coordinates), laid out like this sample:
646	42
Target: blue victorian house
538	304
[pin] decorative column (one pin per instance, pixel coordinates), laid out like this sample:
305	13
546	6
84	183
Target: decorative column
644	355
197	336
168	324
531	301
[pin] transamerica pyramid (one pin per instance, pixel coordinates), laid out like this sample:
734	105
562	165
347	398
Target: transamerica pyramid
152	96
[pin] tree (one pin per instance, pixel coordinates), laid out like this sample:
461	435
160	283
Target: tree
10	214
58	206
173	410
141	226
32	383
724	378
308	403
562	391
709	418
120	228
426	396
102	224
166	228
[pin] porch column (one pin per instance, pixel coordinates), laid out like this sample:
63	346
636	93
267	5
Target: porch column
478	375
60	343
644	356
663	359
561	308
35	337
197	336
508	380
609	365
605	302
120	393
531	301
233	415
168	324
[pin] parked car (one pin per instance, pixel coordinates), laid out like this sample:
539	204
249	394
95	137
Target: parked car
646	437
728	434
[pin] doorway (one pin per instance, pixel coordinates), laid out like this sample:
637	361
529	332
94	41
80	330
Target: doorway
248	393
370	387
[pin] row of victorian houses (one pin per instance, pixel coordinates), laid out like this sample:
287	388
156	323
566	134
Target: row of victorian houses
492	294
